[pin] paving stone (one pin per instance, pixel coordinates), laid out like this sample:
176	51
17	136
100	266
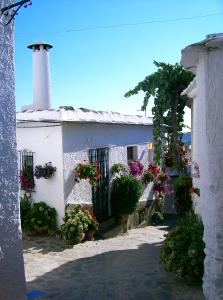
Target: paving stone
122	268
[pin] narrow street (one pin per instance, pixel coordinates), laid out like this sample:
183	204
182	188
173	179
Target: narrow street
122	268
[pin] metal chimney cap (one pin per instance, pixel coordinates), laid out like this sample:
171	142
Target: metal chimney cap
40	43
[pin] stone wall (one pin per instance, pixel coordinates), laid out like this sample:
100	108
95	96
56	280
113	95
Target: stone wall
12	278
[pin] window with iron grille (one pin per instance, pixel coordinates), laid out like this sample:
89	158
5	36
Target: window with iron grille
26	173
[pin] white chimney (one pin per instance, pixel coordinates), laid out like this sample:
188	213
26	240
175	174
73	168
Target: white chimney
41	76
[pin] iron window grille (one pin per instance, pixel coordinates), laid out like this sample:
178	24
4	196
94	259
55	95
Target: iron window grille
26	172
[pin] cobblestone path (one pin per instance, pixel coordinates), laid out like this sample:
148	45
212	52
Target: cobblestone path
122	268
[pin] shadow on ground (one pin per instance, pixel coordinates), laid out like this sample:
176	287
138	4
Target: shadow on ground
119	275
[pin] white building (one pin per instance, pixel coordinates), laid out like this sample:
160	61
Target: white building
205	96
68	136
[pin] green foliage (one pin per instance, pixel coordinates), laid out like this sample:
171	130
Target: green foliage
166	86
45	171
147	177
89	171
157	217
77	221
125	193
25	211
183	249
42	219
182	190
37	218
119	168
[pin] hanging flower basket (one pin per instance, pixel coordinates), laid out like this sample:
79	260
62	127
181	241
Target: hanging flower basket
147	177
45	171
88	171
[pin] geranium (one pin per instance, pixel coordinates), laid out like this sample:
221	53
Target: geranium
93	223
26	181
77	222
136	168
89	171
154	169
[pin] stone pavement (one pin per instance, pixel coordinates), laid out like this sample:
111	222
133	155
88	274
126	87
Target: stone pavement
122	268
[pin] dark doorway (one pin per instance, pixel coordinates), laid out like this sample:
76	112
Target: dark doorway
100	194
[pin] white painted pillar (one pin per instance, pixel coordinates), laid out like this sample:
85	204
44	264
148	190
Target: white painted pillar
12	278
41	75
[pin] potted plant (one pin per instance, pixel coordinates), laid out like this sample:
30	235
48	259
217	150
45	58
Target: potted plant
92	226
26	179
88	171
147	177
135	168
153	168
120	169
125	193
79	223
45	171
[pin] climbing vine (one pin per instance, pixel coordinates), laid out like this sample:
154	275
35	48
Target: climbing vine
165	86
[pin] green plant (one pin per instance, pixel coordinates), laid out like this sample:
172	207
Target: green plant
157	217
182	190
125	193
42	219
93	223
26	178
77	221
147	177
117	168
89	171
165	86
25	211
45	171
183	249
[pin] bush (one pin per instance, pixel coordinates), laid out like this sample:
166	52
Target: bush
157	217
182	191
125	194
77	221
183	249
41	219
25	211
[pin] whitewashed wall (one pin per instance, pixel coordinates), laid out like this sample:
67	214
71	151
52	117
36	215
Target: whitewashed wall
12	277
46	143
207	151
79	138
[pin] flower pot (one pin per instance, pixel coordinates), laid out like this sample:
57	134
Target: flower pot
90	235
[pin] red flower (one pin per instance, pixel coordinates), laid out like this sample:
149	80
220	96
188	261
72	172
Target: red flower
90	213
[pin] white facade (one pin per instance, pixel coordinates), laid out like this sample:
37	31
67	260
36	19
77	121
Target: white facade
206	60
12	276
64	137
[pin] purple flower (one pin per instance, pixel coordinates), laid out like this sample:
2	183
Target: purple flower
135	168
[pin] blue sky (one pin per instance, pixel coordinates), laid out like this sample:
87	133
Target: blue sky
94	68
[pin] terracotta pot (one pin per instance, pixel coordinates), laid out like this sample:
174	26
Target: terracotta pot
90	235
